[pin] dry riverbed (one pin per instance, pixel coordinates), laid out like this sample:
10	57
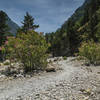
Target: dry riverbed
73	82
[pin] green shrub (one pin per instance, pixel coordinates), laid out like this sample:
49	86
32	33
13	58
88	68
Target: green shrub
6	63
29	49
91	52
65	58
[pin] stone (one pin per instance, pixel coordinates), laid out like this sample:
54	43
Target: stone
50	68
1	64
2	76
98	72
86	98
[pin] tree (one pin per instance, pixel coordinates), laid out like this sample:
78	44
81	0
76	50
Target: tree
3	27
83	25
28	23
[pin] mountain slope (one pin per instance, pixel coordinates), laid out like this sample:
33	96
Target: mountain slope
12	25
82	25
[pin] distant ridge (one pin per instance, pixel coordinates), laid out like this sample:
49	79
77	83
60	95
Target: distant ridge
12	25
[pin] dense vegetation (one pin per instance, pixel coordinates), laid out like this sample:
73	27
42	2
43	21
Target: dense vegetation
28	47
4	29
82	26
79	34
91	52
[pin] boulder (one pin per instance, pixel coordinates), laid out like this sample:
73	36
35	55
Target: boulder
6	61
50	69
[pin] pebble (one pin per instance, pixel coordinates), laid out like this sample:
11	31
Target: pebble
82	85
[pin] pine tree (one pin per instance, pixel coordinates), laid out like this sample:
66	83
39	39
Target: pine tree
28	23
3	27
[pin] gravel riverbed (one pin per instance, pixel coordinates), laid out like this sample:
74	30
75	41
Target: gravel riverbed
73	82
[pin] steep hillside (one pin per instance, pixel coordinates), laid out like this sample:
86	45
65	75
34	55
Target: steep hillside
12	25
83	25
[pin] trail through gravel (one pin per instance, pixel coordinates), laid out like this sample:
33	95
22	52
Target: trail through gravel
46	86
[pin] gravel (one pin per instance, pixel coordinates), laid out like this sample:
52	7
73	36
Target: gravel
74	82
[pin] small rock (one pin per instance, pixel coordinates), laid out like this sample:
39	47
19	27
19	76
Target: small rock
37	95
86	98
98	90
62	99
20	75
7	61
82	90
1	64
2	76
19	98
98	72
50	69
28	76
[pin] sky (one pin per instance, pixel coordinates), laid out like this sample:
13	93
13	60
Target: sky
49	14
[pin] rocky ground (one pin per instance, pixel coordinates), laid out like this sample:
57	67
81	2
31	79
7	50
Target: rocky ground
71	82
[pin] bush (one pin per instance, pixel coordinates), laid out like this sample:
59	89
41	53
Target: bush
91	52
6	63
29	49
65	58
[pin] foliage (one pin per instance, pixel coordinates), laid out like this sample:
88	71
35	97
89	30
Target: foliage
65	58
49	39
28	23
82	26
58	42
3	27
29	49
91	51
6	63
